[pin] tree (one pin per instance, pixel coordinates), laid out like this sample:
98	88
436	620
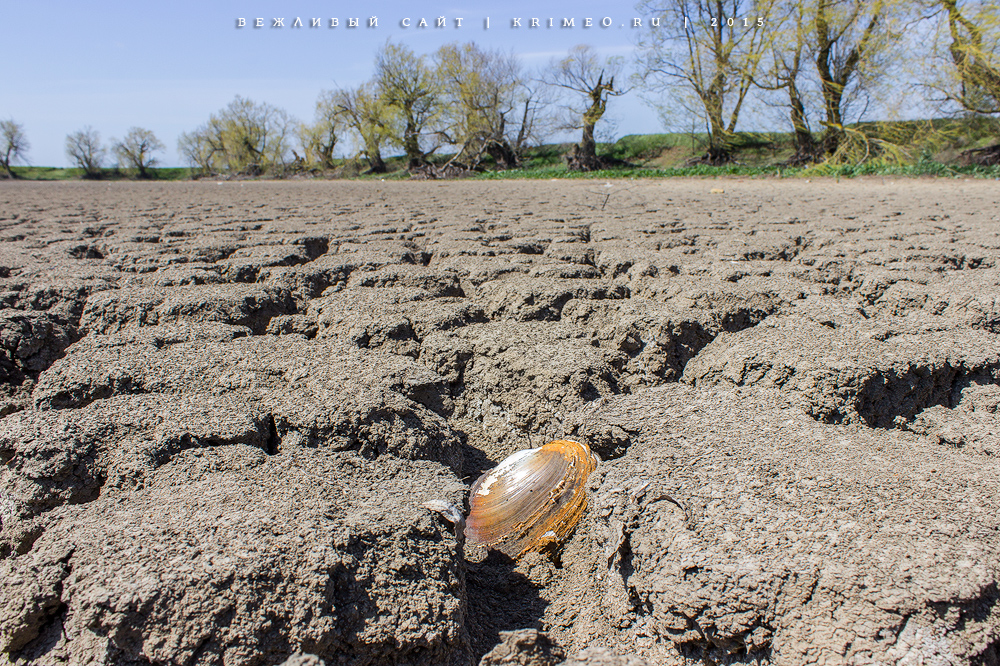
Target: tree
243	138
966	62
135	151
784	71
368	117
483	91
975	51
849	36
254	137
316	143
13	144
197	149
320	138
405	84
593	80
710	49
535	100
970	46
84	149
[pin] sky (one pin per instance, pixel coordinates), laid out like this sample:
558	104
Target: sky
166	66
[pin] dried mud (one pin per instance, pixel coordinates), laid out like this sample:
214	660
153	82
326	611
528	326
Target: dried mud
223	405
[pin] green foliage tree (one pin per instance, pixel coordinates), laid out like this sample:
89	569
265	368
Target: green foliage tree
483	92
319	139
965	63
851	38
244	138
135	151
316	146
784	70
966	55
84	149
405	84
13	144
704	57
975	52
369	119
592	80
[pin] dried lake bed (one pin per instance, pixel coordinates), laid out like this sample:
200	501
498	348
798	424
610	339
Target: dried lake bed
224	404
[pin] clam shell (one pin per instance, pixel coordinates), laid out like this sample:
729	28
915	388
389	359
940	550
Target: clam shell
531	498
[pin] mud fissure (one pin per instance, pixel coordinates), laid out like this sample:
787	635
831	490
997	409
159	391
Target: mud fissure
273	446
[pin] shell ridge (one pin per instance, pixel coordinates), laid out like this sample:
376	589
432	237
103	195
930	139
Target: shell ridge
530	498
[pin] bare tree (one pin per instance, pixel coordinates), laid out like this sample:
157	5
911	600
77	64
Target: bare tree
710	49
135	151
535	101
13	144
84	149
592	79
198	149
406	84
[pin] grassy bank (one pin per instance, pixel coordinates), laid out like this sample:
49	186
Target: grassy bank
57	173
928	168
550	171
905	148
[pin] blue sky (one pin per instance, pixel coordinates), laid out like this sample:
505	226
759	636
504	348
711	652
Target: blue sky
166	66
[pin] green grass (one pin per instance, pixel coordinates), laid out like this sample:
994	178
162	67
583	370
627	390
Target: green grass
45	173
58	173
922	168
559	171
640	147
636	172
747	171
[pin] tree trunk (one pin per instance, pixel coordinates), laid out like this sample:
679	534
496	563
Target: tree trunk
411	142
5	163
805	145
719	148
584	157
718	141
522	132
326	156
831	92
375	162
588	145
503	154
832	96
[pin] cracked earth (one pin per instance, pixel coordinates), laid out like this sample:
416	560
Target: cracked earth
223	405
